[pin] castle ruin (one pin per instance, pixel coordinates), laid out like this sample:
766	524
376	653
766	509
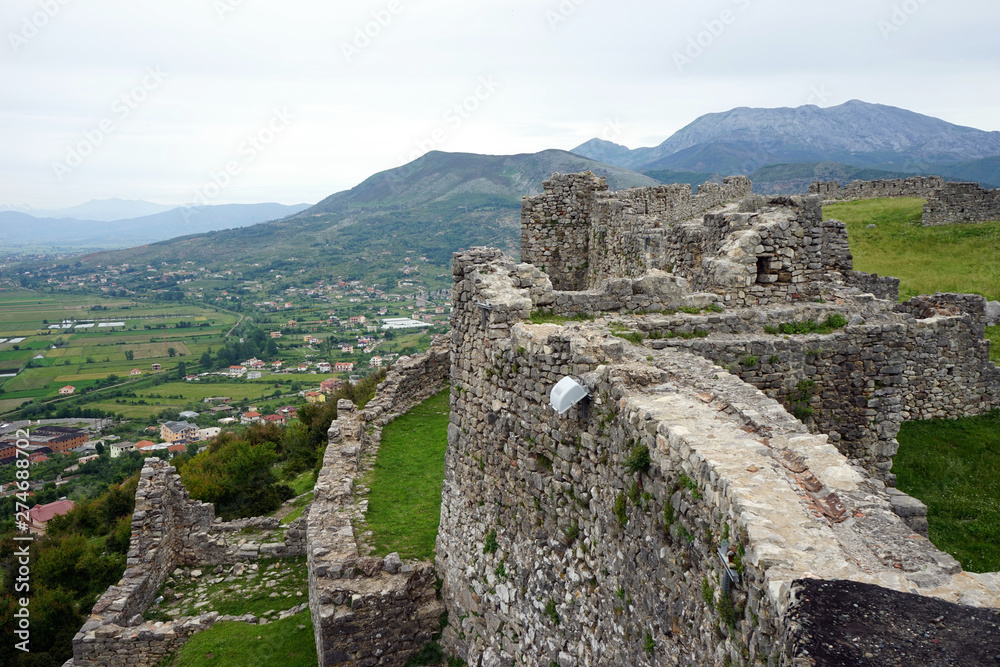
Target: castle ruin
722	496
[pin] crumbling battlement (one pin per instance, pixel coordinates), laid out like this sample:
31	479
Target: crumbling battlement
560	541
559	234
915	186
748	251
368	610
961	202
168	530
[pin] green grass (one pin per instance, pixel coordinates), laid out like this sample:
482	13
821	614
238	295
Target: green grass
282	643
953	466
829	325
948	258
405	499
547	317
993	333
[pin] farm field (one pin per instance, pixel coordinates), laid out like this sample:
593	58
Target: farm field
46	359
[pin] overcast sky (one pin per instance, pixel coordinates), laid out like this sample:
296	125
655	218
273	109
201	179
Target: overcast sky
291	101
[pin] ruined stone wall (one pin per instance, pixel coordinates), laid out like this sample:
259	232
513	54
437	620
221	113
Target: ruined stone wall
629	228
915	186
558	545
948	372
368	610
752	259
580	234
845	384
168	529
961	202
555	227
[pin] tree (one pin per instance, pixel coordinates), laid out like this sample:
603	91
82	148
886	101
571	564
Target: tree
129	355
171	352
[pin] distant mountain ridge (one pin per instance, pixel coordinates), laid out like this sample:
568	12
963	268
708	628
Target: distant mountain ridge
429	207
854	133
22	229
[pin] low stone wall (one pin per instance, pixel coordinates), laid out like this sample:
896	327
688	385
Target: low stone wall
168	530
367	610
915	186
961	202
948	371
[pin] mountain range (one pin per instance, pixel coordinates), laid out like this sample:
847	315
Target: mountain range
445	201
43	229
854	133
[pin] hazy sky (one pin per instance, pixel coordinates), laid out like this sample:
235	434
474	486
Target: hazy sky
221	101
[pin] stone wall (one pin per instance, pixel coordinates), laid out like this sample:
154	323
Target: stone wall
560	545
580	234
368	610
168	530
961	202
948	372
555	227
915	186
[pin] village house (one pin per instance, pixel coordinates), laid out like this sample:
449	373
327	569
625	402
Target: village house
145	446
323	367
67	390
155	367
330	386
254	375
207	433
375	361
134	372
116	449
276	419
276	334
343	367
252	417
237	371
40	515
315	397
175	431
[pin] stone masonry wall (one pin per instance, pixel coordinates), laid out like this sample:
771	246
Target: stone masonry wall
948	372
915	186
168	529
961	202
555	226
580	234
368	610
560	544
628	227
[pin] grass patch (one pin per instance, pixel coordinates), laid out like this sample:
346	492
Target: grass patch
304	482
548	317
405	499
948	258
953	467
829	325
289	643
